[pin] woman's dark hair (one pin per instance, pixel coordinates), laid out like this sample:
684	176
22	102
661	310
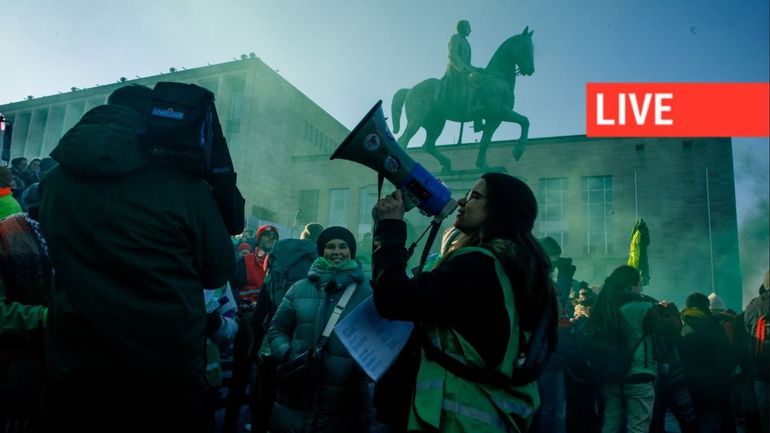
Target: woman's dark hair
615	293
507	232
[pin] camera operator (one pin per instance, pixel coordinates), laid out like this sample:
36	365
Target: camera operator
134	244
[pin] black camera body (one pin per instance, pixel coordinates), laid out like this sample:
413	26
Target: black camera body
182	130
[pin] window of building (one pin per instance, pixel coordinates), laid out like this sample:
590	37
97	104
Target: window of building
597	211
308	206
339	202
552	204
367	200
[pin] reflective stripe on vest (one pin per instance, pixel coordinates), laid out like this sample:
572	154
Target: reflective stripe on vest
473	413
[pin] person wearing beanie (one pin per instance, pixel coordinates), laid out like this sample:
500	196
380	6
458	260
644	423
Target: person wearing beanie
487	293
332	395
8	204
716	304
127	320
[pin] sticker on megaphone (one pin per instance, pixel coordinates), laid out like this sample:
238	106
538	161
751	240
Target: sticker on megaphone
371	144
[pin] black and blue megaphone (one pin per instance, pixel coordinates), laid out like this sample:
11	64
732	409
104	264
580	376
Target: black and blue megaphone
372	144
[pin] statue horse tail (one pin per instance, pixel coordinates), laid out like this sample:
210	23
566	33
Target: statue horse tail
396	107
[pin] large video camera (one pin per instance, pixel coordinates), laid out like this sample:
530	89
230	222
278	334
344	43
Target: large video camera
182	130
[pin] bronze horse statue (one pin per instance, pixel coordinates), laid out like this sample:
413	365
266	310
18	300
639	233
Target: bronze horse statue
494	89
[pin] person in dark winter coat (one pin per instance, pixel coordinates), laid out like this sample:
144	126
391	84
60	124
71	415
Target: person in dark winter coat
134	244
708	364
332	395
290	262
492	283
757	324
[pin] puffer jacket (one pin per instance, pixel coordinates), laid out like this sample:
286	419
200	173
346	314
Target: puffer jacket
339	400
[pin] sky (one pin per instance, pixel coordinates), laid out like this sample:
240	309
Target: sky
346	55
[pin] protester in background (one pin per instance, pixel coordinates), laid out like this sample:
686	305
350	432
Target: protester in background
32	174
708	364
621	308
126	321
473	304
221	327
26	278
250	271
243	249
290	261
583	404
551	416
18	167
757	323
8	204
330	394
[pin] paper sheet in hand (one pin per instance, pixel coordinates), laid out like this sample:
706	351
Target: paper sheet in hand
373	342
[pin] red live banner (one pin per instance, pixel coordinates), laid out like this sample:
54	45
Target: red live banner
677	109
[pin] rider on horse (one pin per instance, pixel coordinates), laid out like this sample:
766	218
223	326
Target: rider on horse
455	89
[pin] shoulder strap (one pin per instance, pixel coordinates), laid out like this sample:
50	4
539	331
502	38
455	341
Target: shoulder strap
336	314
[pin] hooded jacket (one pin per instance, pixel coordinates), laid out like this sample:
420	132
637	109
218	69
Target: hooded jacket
134	244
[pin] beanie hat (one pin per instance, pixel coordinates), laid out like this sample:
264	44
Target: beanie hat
311	231
336	232
550	246
244	246
5	177
716	303
264	228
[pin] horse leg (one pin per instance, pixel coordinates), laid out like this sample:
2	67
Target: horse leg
411	128
523	121
433	130
489	129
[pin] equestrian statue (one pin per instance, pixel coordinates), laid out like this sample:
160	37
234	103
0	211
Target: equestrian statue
484	96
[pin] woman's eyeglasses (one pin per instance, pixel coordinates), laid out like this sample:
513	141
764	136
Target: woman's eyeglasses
473	194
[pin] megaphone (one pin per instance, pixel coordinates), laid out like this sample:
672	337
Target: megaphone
372	144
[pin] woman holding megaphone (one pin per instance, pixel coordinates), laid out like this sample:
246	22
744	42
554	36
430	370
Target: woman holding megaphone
475	312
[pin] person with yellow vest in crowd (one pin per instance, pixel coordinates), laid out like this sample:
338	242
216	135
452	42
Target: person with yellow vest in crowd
476	310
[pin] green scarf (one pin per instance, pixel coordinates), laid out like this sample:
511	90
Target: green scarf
326	271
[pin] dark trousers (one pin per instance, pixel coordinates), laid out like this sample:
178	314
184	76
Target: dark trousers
264	389
583	407
241	369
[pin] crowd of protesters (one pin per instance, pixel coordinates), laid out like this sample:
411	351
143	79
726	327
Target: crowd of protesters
116	314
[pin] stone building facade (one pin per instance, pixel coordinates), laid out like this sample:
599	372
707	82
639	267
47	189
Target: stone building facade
590	191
